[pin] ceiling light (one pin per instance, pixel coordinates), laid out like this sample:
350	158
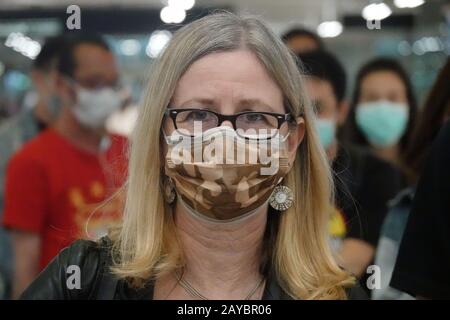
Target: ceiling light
408	3
329	29
376	11
157	42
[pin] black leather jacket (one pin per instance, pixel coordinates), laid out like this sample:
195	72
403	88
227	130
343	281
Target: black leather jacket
93	260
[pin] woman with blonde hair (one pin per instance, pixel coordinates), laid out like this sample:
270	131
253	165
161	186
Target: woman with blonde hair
210	220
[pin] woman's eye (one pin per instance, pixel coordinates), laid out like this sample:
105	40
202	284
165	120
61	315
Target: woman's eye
198	115
252	117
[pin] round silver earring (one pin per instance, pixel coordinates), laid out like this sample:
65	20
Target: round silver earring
169	190
282	198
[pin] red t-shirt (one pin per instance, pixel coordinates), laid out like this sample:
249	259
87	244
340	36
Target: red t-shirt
55	189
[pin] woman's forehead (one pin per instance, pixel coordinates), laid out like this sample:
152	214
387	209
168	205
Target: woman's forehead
237	74
382	79
235	65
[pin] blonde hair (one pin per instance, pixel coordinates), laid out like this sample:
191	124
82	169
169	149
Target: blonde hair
146	245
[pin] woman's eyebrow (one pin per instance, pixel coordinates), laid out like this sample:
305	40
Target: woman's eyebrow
199	101
251	103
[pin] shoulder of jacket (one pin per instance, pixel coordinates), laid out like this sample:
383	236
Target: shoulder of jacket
74	274
356	292
83	253
92	259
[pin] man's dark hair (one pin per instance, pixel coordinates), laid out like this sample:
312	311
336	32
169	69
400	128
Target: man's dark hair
325	66
67	63
50	53
301	32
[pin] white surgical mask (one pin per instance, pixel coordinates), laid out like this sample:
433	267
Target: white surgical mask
94	107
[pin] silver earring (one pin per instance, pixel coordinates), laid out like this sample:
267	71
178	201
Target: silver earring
169	190
282	198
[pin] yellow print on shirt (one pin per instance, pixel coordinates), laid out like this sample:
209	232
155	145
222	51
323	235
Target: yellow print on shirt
336	226
93	215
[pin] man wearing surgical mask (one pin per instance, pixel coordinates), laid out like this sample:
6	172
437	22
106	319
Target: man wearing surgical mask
364	184
56	183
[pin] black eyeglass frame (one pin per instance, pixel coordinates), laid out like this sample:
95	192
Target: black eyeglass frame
281	117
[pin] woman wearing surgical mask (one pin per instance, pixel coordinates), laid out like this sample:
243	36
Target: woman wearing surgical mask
199	223
383	109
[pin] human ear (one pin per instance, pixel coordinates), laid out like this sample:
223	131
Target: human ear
343	109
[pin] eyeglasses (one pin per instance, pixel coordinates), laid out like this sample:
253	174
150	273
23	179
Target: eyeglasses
248	124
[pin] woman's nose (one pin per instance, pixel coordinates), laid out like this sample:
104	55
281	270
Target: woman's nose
227	123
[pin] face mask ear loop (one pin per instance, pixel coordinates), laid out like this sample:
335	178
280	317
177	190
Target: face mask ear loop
284	138
166	137
75	87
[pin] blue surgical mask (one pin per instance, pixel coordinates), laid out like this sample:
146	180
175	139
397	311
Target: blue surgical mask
382	122
327	131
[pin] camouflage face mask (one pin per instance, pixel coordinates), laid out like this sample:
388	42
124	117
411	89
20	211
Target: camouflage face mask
224	177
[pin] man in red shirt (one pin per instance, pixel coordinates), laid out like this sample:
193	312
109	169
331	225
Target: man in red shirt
57	184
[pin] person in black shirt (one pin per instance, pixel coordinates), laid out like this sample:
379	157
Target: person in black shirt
364	183
423	263
434	113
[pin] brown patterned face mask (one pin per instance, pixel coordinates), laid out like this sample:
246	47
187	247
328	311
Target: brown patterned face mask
224	177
